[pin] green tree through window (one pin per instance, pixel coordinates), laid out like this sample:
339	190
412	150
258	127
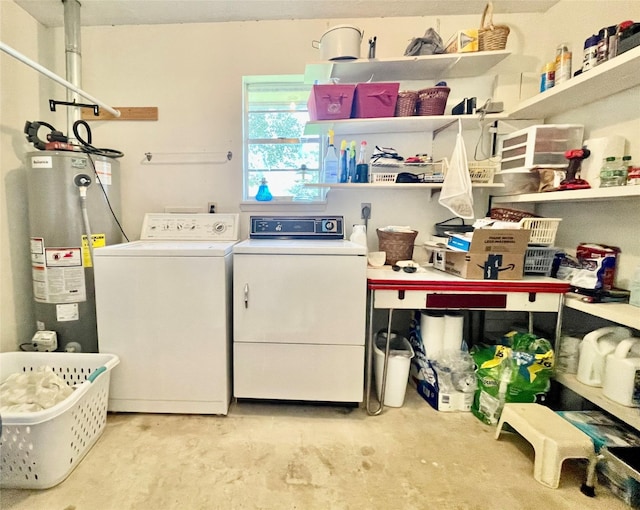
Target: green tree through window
275	114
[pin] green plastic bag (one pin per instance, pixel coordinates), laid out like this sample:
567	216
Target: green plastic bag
519	371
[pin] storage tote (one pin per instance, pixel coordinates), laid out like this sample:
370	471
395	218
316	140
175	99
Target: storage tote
373	100
40	449
331	102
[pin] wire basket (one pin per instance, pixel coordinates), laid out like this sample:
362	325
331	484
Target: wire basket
543	230
40	449
483	171
397	245
538	260
406	104
432	101
383	177
506	214
491	37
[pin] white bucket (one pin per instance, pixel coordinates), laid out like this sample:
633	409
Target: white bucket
400	354
341	42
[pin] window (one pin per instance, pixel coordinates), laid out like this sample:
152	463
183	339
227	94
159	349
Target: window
275	147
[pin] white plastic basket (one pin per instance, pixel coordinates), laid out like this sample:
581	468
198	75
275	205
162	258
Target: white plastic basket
40	449
483	171
543	230
538	260
382	177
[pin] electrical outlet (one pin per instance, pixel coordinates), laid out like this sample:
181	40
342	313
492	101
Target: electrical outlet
365	210
212	207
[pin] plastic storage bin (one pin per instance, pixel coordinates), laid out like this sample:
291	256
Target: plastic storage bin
373	100
400	355
543	230
40	449
538	260
330	102
540	146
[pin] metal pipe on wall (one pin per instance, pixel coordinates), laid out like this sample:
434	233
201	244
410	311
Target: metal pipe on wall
73	57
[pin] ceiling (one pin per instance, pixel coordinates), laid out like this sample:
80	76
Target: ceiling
147	12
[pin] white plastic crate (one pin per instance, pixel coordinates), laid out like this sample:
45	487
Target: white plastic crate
382	177
543	230
483	171
40	449
538	260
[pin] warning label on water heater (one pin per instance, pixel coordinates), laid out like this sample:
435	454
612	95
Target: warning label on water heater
57	274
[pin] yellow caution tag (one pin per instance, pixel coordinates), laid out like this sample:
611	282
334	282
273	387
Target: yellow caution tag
97	241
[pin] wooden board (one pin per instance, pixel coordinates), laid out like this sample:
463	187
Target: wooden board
126	113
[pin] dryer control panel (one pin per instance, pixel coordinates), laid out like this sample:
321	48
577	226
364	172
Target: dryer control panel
297	227
190	227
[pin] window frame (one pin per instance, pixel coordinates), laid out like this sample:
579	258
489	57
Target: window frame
247	81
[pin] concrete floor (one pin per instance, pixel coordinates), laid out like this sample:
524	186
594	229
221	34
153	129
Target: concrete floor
283	456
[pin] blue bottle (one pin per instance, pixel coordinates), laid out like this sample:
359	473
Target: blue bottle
263	195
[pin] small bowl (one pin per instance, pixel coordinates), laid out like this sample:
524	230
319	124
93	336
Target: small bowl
377	258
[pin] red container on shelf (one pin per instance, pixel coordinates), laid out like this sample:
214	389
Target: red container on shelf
331	102
374	100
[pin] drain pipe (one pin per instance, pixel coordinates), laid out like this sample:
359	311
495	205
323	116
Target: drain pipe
73	55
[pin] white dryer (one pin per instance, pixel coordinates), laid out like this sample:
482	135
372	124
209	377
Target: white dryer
163	305
300	293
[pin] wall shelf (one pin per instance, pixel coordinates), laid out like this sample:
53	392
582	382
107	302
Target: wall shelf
630	415
591	195
621	313
425	67
413	124
607	79
394	185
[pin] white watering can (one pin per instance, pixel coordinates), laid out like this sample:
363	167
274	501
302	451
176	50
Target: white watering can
594	348
620	383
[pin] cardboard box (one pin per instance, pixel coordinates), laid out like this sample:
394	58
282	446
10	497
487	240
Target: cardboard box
493	254
463	41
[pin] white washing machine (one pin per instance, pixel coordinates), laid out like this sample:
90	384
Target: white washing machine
163	305
299	303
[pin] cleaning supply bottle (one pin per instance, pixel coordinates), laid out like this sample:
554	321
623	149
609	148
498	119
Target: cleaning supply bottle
362	168
264	195
352	162
344	169
634	288
330	163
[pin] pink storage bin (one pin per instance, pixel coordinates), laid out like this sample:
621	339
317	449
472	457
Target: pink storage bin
375	100
331	102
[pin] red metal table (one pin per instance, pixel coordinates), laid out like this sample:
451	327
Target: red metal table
433	289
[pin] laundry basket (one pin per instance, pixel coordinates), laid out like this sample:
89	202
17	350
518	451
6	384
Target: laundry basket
40	449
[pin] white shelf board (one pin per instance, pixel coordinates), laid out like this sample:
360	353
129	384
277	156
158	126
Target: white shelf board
425	67
594	194
630	415
394	185
620	313
413	124
611	77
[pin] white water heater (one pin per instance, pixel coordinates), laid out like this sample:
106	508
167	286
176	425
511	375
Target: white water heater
61	265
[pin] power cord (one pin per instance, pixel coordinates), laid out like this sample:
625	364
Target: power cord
86	146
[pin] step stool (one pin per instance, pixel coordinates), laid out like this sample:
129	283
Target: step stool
553	438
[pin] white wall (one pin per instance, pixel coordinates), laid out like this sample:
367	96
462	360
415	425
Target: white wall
193	74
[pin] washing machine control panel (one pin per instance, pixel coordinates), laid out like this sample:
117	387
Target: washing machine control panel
190	227
297	227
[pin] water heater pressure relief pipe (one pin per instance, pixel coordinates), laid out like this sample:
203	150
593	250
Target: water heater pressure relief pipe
83	181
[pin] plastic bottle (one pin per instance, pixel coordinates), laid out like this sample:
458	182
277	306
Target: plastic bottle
547	77
330	163
362	168
264	195
590	57
613	173
633	172
344	169
606	35
359	235
634	288
562	64
352	162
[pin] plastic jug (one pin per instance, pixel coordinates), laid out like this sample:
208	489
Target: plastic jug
622	374
594	348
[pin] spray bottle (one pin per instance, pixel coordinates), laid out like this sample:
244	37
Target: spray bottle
344	170
330	163
352	161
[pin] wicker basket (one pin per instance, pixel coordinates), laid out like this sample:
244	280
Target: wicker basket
491	37
397	245
406	104
504	214
432	101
